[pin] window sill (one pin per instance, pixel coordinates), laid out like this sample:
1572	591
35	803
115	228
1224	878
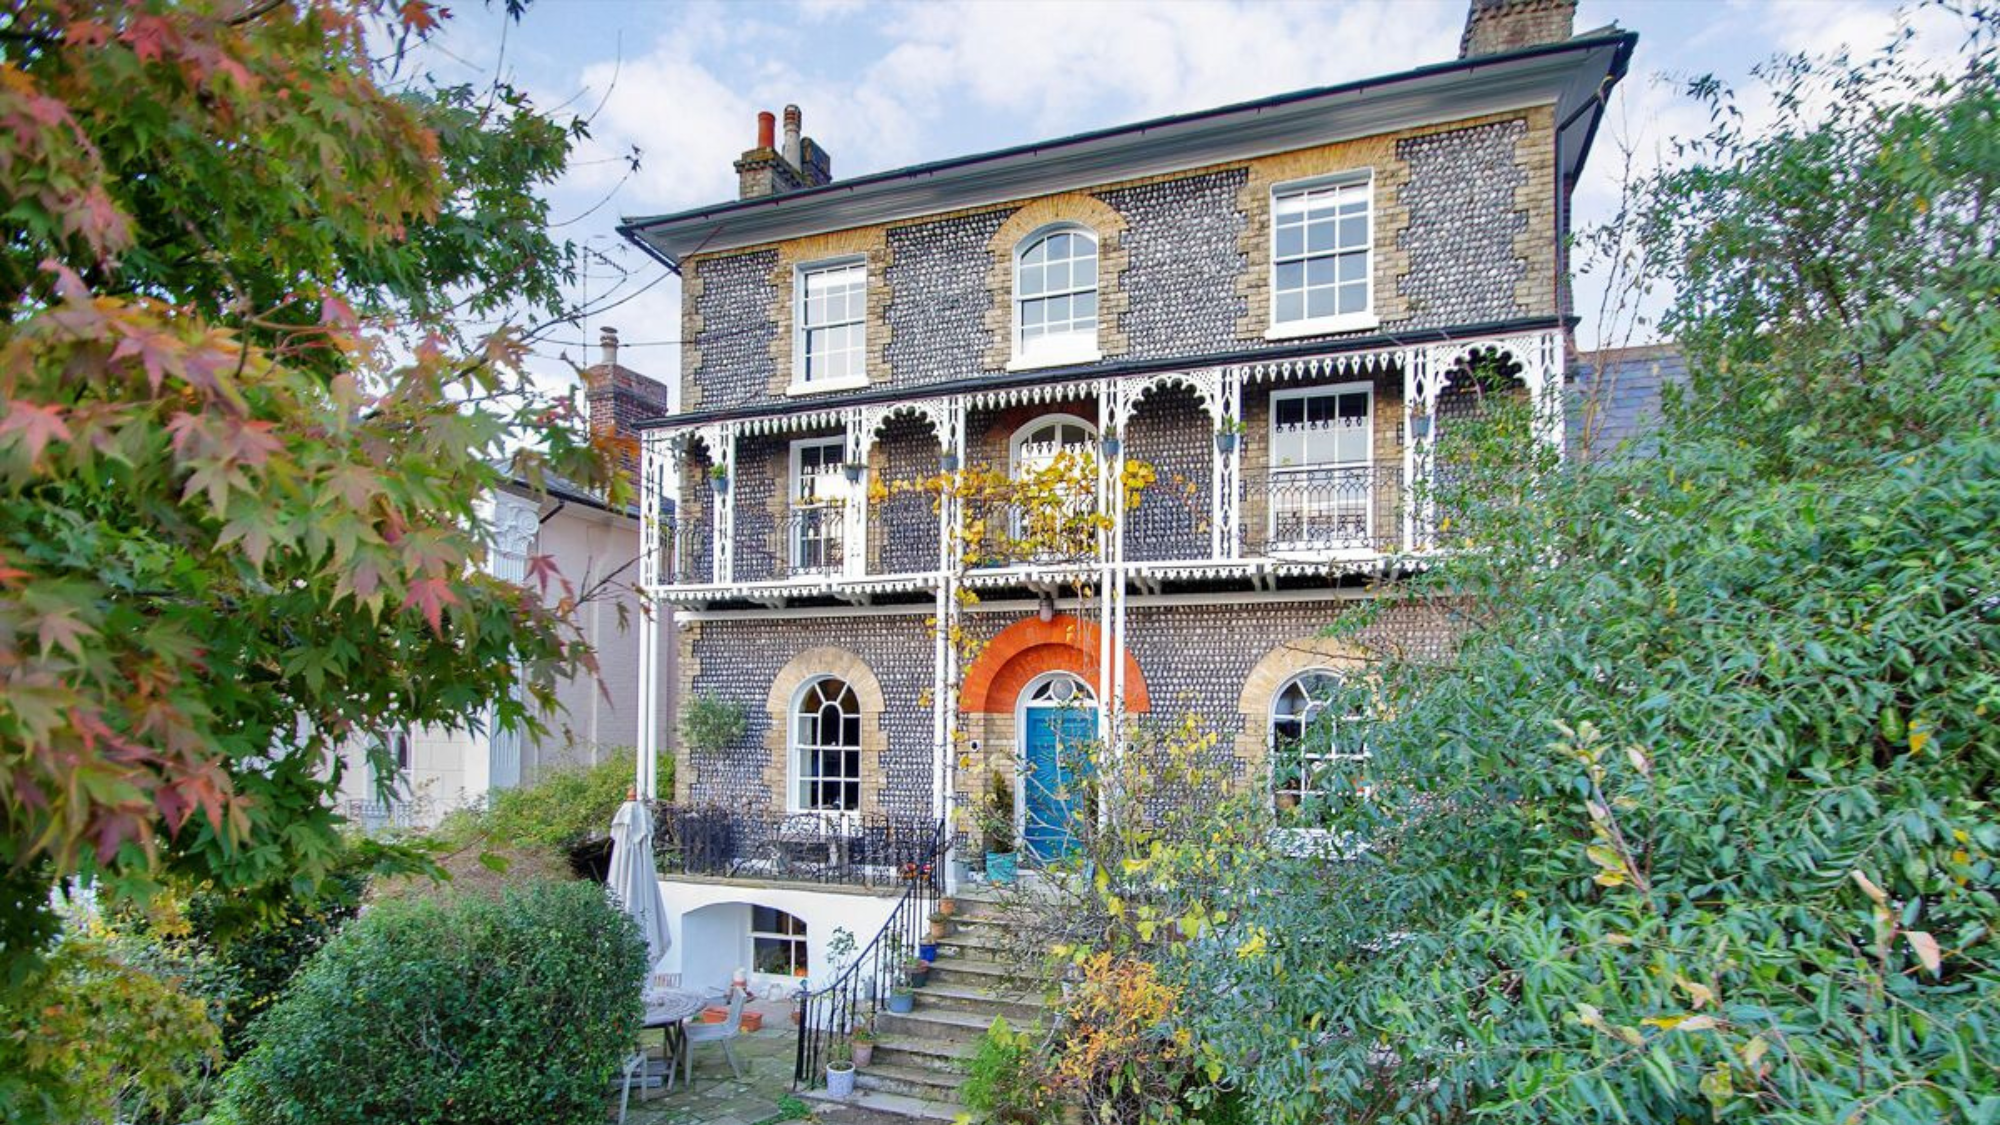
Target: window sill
850	384
1065	358
1325	326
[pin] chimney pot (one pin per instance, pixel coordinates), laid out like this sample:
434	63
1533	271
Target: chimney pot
793	123
607	339
767	129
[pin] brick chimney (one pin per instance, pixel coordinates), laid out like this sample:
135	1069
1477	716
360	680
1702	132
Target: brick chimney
619	397
770	170
1493	27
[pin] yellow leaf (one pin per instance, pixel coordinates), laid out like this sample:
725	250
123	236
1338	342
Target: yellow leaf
1701	994
1926	948
1665	1023
1869	888
1920	736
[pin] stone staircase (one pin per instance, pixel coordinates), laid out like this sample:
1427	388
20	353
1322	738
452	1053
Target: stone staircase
920	1058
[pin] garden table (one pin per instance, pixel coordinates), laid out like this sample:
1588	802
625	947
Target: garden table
667	1009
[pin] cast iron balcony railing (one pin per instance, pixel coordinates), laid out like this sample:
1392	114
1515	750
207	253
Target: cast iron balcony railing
1323	509
687	551
845	849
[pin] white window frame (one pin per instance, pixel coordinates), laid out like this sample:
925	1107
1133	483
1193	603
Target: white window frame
829	494
800	385
795	751
1305	723
1367	463
1325	325
1072	348
801	941
1019	438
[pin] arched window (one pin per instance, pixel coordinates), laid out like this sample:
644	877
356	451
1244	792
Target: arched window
826	748
1315	725
1055	295
1037	444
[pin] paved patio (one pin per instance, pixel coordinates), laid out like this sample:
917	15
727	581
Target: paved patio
717	1097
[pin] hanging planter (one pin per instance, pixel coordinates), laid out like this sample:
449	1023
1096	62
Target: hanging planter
1225	441
852	471
1112	445
948	462
719	477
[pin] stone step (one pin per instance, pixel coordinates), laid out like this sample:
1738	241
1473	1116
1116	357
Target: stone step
1020	1007
869	1106
919	1050
933	1022
910	1081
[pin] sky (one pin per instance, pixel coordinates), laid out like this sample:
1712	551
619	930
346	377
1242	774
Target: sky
676	86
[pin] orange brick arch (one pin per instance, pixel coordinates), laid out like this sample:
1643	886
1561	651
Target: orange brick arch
1027	649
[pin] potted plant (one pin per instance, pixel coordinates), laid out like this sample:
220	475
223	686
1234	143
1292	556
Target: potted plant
999	830
927	951
839	1070
947	906
864	1044
917	971
902	1000
948	462
718	475
940	925
1111	443
1226	435
1285	788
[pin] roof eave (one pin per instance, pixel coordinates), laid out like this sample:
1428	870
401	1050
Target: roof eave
1194	139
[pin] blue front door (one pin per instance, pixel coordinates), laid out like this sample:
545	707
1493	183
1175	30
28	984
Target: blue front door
1056	760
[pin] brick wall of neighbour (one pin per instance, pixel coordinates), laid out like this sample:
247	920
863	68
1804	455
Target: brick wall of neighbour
744	662
1463	232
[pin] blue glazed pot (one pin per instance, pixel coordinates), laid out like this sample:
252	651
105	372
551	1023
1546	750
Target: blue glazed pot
1000	867
902	1003
927	952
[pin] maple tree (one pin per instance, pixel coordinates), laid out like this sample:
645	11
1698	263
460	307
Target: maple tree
243	440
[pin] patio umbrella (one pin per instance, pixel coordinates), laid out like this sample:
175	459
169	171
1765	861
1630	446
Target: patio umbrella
632	881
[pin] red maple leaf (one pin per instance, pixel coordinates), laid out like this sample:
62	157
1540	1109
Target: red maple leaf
543	569
431	595
37	425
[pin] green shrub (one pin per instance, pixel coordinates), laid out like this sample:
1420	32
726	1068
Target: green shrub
461	1010
566	807
1000	1085
708	723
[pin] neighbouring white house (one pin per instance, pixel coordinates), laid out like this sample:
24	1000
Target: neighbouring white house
597	549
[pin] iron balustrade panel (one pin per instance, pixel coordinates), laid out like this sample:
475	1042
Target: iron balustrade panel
903	534
1011	534
811	541
1324	509
689	551
844	849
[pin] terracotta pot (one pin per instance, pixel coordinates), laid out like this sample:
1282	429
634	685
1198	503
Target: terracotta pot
864	1053
940	930
947	906
752	1021
714	1014
797	1017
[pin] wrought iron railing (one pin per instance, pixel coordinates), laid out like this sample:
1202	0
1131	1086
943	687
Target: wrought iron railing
686	552
1323	508
846	849
859	990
